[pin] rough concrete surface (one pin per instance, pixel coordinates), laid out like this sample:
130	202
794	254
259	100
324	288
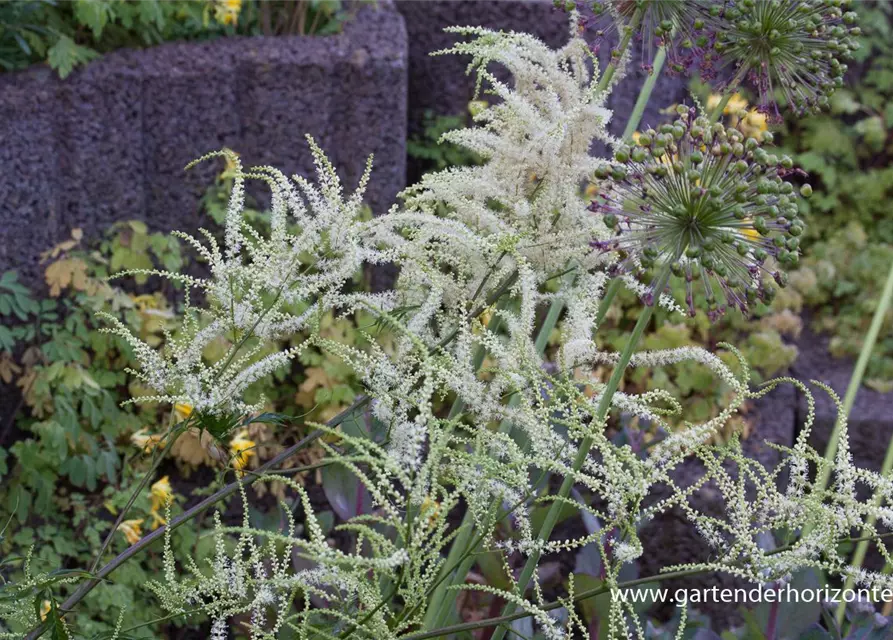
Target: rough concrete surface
110	142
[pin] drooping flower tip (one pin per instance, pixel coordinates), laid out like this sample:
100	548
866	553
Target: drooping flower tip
132	530
708	203
242	449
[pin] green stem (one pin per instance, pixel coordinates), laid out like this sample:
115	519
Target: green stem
645	95
727	94
856	378
848	400
172	437
601	413
231	488
510	617
443	599
591	593
718	109
607	299
455	569
86	587
611	69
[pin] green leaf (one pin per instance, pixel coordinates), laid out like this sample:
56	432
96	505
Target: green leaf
65	55
150	12
93	14
843	101
888	115
873	131
57	627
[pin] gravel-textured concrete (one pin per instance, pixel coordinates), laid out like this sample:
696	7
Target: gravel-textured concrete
109	143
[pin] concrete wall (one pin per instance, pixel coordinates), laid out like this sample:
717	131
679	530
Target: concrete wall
110	142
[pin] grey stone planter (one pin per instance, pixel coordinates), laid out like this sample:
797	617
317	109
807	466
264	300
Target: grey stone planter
110	142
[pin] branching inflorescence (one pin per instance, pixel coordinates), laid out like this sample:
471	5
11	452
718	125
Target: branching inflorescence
691	198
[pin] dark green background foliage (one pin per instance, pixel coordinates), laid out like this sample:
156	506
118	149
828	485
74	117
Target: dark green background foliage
66	453
66	33
848	153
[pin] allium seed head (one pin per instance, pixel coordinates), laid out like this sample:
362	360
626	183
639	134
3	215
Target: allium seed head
706	202
677	24
796	46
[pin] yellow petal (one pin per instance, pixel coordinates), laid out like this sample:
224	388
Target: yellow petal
157	520
242	449
145	440
182	410
735	104
161	493
132	530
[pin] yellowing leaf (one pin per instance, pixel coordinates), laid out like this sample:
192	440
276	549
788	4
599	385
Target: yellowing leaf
67	272
8	368
189	449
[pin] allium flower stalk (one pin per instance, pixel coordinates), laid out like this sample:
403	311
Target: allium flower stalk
679	25
795	46
659	18
706	202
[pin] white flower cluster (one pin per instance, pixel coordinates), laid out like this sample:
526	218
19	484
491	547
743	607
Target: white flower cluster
476	248
260	289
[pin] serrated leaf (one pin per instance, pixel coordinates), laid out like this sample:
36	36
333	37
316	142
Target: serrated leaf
66	54
93	14
150	11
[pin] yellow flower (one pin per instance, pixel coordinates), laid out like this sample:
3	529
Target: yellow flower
242	449
735	104
227	11
145	302
749	231
182	411
476	106
132	530
485	317
157	520
230	166
146	441
754	124
591	191
667	159
161	493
